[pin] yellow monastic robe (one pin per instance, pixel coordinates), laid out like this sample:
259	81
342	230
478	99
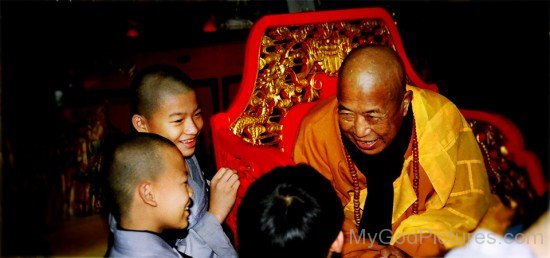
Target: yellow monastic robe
454	190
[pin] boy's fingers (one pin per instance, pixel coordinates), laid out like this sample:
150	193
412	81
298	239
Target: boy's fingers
234	177
225	171
219	175
234	180
225	176
228	175
236	184
216	177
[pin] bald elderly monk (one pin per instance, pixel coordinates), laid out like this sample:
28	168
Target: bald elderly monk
403	160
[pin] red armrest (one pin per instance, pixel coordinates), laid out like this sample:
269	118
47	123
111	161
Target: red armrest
250	161
514	147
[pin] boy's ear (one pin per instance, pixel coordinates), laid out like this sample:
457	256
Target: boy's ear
140	123
146	193
336	246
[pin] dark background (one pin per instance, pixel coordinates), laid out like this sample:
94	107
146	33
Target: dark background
483	55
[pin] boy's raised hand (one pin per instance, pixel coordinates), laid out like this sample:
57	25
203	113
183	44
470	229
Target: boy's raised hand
223	191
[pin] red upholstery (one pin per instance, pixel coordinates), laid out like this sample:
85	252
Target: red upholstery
253	157
250	161
507	143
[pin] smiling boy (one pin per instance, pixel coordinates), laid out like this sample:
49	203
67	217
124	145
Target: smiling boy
165	103
149	182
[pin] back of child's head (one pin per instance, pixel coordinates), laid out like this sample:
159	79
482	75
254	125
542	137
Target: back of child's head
152	83
138	158
291	211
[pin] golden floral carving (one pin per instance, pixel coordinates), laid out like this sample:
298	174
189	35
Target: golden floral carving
289	59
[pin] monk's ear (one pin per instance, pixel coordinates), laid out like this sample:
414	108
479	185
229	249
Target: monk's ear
140	123
147	193
407	102
336	246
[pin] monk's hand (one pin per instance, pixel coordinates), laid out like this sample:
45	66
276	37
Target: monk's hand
392	252
223	191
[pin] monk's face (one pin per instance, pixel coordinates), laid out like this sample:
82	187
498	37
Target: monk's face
368	114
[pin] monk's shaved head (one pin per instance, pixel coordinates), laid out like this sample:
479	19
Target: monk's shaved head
373	66
153	83
136	159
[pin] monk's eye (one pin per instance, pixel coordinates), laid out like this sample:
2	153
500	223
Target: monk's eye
374	119
348	117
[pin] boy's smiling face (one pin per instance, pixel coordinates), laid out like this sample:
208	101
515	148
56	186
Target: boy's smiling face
179	119
172	192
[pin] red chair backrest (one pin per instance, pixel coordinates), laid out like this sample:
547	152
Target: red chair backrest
287	54
292	61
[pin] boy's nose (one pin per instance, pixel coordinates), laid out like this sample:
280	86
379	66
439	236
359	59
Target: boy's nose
191	127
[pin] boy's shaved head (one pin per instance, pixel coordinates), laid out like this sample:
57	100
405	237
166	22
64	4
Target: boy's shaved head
153	83
134	160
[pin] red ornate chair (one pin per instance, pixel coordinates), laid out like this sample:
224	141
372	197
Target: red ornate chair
292	61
